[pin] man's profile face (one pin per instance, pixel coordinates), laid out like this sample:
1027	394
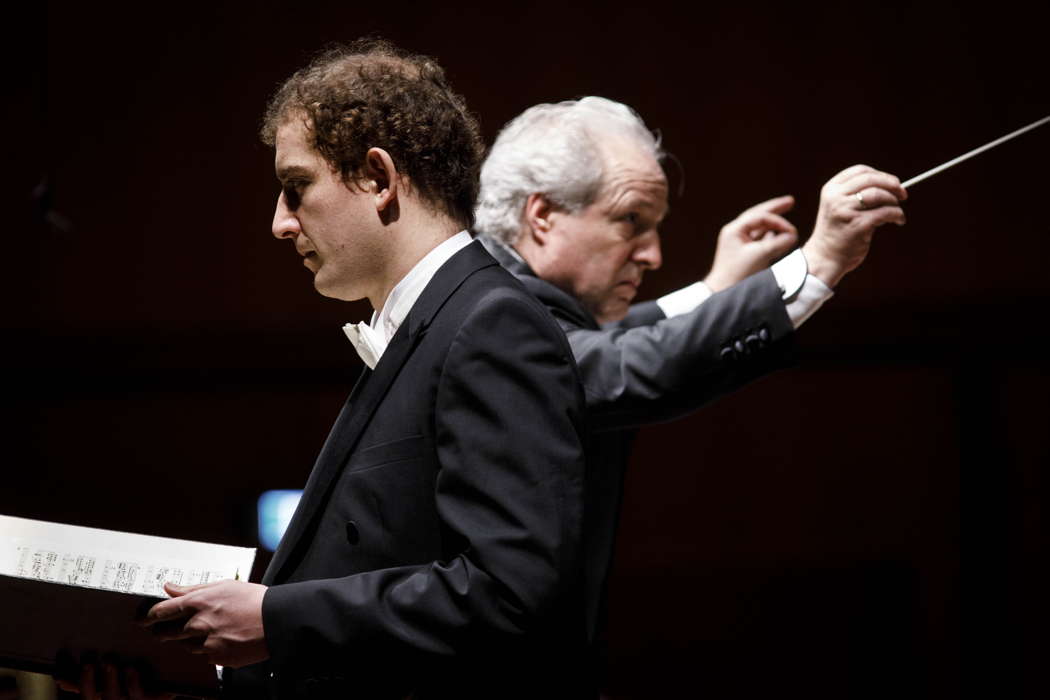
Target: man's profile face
602	251
334	226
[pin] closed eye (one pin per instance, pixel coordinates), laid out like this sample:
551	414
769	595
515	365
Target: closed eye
635	221
293	192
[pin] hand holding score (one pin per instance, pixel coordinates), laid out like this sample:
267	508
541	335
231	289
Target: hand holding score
852	205
221	619
752	242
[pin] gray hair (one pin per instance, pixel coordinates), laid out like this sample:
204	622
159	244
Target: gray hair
554	150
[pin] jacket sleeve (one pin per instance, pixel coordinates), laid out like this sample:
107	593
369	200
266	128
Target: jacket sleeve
508	436
662	370
644	313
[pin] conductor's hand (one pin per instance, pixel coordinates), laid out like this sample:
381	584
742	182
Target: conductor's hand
221	619
852	205
752	242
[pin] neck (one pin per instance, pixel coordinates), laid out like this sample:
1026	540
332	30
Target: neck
528	252
409	243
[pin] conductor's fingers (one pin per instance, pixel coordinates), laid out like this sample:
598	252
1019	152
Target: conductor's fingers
849	172
874	178
873	198
778	205
761	222
885	215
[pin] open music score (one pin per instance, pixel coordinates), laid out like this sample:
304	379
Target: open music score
67	591
111	560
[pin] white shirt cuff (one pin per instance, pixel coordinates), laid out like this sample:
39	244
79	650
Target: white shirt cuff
803	293
808	300
790	272
684	300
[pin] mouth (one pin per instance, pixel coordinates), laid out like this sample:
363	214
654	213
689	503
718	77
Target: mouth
628	289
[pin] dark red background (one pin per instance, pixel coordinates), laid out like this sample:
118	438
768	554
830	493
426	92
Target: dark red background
866	525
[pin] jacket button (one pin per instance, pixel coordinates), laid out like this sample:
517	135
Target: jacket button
352	535
727	354
754	342
739	346
763	333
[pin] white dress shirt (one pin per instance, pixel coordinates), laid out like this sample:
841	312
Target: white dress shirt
803	293
371	340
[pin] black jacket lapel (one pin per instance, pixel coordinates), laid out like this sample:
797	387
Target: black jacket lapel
368	392
365	397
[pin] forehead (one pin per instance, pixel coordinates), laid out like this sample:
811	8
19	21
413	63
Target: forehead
293	147
632	176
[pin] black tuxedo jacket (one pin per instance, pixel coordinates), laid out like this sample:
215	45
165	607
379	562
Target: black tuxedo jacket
649	368
437	547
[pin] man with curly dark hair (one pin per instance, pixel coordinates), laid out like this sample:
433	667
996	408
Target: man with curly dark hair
369	92
436	550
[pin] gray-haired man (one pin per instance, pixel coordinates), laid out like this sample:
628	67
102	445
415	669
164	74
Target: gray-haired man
572	195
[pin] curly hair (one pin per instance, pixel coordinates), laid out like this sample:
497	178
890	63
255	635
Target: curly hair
370	94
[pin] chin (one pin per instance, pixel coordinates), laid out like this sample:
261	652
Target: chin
612	313
340	294
324	289
334	291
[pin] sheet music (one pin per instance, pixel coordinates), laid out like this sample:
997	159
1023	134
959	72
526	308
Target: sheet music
111	560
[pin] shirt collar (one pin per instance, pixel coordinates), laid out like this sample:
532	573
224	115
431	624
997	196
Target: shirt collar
399	302
404	294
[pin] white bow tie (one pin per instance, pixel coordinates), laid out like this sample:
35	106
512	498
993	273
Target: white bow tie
368	342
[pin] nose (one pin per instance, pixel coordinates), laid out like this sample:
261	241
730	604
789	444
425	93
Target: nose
285	224
647	254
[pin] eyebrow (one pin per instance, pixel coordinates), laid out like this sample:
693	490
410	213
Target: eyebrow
288	172
640	202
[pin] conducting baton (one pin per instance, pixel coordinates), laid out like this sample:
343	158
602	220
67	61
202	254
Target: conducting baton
971	154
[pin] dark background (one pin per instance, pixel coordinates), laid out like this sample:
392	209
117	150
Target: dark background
866	525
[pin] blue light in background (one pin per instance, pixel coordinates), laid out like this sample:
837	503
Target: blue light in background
275	512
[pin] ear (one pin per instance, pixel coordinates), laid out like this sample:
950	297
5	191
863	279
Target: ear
538	210
381	178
